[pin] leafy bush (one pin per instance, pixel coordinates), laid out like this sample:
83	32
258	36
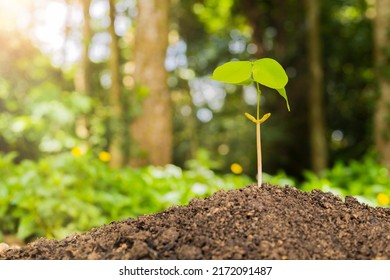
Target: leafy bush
74	192
366	180
279	179
41	120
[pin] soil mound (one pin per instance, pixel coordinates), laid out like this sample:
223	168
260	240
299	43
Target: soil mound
250	223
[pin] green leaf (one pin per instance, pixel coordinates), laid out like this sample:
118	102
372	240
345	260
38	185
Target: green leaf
245	83
26	227
270	73
234	72
282	92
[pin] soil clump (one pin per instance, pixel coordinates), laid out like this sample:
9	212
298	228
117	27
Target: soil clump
270	222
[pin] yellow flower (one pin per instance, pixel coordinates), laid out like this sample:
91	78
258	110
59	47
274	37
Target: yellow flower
236	168
76	152
383	199
104	156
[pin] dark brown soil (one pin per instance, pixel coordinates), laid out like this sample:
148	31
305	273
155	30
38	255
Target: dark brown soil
251	223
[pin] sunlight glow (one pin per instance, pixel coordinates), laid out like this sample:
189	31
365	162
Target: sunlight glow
54	19
43	21
10	13
54	27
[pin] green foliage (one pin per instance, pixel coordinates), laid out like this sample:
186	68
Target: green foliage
40	110
349	75
42	120
69	192
38	106
279	179
214	13
366	180
265	71
234	72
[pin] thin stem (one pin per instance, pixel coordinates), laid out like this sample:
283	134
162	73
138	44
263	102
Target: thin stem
258	141
259	164
258	101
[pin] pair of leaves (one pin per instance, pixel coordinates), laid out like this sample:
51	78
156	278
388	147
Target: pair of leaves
265	71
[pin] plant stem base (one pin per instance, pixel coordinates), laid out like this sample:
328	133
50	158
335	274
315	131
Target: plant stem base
259	164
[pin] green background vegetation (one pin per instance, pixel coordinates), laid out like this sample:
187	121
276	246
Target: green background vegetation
55	135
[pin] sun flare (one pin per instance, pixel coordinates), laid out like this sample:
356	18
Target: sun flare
42	21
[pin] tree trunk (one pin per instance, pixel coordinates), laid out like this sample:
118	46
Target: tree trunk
152	129
83	75
382	113
319	154
83	82
115	147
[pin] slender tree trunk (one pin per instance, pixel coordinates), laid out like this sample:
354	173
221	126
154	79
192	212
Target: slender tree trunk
382	114
83	82
152	129
115	95
319	154
83	75
67	29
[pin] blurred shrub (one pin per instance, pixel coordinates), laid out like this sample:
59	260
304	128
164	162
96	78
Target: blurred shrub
367	180
41	120
76	191
279	179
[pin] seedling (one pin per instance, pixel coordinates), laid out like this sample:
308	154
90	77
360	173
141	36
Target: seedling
267	72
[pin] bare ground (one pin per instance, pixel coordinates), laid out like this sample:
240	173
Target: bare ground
270	222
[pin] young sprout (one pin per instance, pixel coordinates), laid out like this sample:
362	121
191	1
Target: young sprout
267	72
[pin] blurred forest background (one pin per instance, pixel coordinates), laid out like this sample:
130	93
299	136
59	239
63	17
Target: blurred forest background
107	109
